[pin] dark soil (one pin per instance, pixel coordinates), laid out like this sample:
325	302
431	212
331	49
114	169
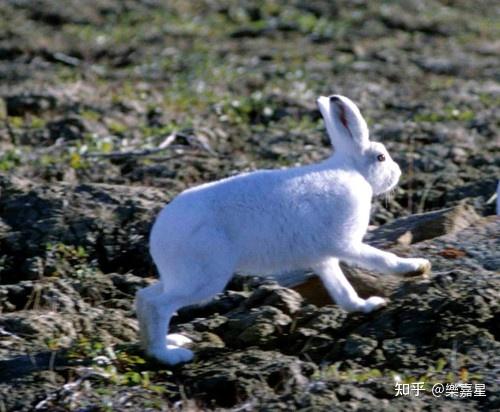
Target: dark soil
91	89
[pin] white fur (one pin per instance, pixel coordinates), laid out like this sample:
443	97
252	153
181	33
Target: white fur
269	221
498	198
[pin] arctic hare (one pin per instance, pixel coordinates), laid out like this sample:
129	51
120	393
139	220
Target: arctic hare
270	221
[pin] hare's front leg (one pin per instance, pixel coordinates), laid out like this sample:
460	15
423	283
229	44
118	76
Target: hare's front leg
341	290
372	258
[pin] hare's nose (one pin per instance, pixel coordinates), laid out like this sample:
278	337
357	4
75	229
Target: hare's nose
397	171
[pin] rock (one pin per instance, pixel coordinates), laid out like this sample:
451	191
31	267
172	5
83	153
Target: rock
359	346
479	189
110	223
229	379
416	228
55	294
366	284
440	65
405	19
498	198
260	326
69	128
128	283
37	328
21	104
54	312
220	304
275	295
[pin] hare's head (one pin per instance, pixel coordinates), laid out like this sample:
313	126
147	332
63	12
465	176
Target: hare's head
349	135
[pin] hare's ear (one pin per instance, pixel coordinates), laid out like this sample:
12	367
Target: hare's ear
345	125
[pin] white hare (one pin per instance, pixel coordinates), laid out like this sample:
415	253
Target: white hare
269	221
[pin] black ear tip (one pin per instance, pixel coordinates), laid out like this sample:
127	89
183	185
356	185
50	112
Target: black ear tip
334	98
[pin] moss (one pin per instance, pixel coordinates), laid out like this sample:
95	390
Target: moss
333	372
489	100
15	121
116	127
448	114
10	159
90	115
37	122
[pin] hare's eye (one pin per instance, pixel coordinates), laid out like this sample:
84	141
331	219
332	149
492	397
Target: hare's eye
381	158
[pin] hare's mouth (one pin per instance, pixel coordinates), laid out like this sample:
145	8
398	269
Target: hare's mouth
388	186
388	197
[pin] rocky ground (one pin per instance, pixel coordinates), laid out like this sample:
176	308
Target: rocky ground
91	90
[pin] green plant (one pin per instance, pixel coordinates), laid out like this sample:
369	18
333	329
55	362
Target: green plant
85	348
333	372
119	366
117	127
10	159
15	121
90	115
245	109
68	260
448	114
435	373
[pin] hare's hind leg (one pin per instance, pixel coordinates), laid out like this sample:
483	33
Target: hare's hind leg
154	309
341	290
185	280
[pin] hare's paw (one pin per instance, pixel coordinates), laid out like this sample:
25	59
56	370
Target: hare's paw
177	355
172	355
414	267
177	339
373	303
